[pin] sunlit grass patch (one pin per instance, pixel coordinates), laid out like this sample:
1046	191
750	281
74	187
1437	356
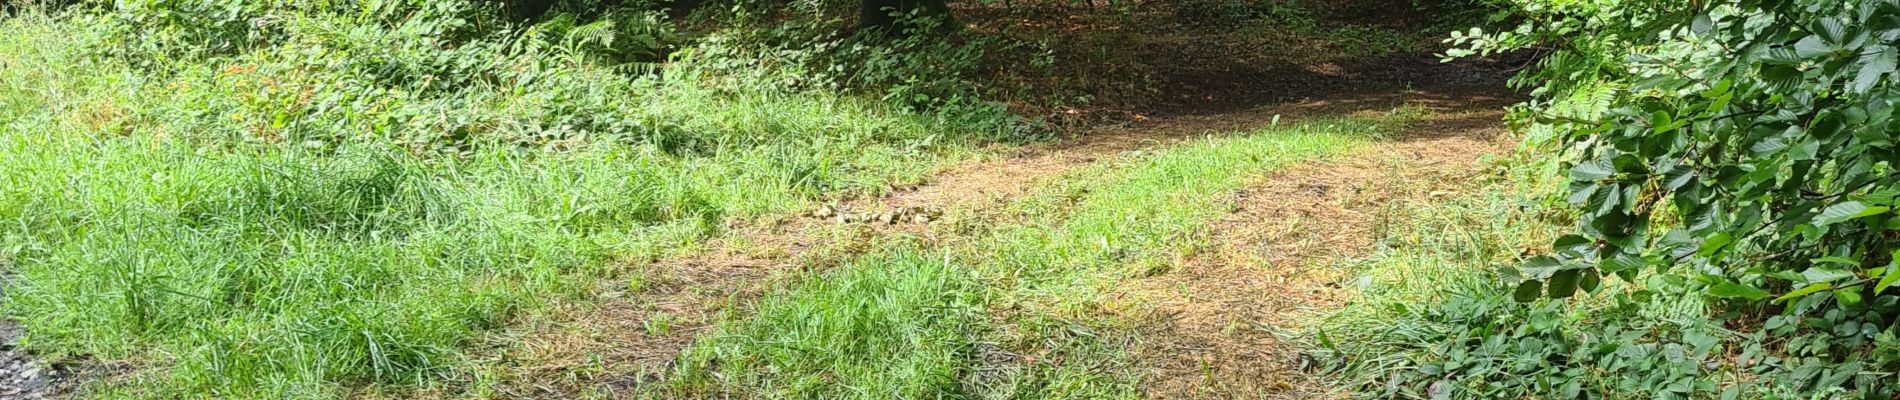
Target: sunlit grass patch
252	226
896	324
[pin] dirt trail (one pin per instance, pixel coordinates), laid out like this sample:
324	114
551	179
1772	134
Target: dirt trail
1219	320
21	377
634	335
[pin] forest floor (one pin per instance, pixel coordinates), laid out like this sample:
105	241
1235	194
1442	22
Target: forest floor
1218	321
1220	318
1251	181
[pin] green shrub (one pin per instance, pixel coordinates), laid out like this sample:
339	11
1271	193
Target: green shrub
1433	318
1745	146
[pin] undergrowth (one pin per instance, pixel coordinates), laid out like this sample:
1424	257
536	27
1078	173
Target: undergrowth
1434	317
1727	164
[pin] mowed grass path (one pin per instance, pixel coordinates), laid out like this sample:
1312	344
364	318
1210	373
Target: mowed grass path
1017	307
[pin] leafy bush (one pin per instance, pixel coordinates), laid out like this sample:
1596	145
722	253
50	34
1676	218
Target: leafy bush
921	67
1431	319
1747	145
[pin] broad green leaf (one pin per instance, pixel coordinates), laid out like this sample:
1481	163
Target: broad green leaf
1572	242
1621	261
1824	274
1564	284
1608	199
1679	177
1701	25
1811	47
1528	291
1834	30
1588	280
1592	170
1805	290
1804	150
1848	296
1580	192
1541	267
1891	276
1874	66
1796	113
1731	290
1713	244
1720	103
1781	77
1847	210
1768	146
1850	262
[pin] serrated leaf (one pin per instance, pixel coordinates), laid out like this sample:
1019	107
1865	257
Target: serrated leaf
1592	170
1781	77
1731	290
1607	200
1509	274
1874	66
1778	56
1834	30
1580	192
1567	242
1811	47
1541	267
1768	145
1679	177
1621	261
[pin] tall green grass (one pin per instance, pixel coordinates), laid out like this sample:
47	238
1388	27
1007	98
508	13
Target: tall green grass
265	225
954	321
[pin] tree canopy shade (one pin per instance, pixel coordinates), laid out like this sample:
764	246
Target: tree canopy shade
884	13
871	13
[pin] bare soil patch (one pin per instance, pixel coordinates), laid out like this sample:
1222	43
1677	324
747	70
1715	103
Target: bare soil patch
21	377
1220	319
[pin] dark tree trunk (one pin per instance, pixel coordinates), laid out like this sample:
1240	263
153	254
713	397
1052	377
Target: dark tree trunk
883	14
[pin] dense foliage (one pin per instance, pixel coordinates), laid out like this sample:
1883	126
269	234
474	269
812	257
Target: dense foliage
1740	150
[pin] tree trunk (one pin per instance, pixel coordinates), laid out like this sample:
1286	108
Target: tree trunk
884	14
